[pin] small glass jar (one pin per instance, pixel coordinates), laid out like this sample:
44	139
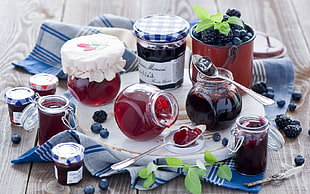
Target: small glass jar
161	45
52	114
43	84
68	159
18	99
93	64
142	111
214	102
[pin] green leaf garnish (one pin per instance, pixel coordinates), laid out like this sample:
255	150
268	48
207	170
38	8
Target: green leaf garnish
205	24
143	173
200	165
224	172
201	12
217	17
209	158
174	162
192	182
150	180
151	167
235	20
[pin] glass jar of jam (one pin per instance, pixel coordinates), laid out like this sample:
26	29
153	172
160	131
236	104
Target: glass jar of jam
18	99
68	159
214	102
161	44
93	64
43	84
142	111
52	114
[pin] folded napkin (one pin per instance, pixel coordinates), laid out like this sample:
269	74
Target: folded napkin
45	58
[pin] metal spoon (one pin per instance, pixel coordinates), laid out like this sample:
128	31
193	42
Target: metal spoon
129	161
210	70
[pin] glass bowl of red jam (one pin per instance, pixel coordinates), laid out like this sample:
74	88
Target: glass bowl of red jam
43	84
214	102
143	111
68	162
18	99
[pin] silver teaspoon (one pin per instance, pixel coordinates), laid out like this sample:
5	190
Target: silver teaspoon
129	161
210	70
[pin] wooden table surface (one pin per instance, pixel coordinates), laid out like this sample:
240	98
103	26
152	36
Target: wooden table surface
287	20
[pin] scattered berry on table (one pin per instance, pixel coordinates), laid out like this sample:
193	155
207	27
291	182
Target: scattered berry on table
269	94
299	160
280	103
104	133
308	131
89	189
259	87
292	131
100	116
292	106
224	141
295	122
233	12
216	137
296	95
103	184
96	128
16	138
282	120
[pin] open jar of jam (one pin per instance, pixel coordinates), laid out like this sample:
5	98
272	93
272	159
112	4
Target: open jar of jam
43	84
18	99
142	111
93	63
161	44
214	102
68	159
52	114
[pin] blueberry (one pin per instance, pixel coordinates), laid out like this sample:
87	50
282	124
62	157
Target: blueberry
236	41
269	95
103	184
89	189
16	138
224	141
308	131
281	103
296	95
96	128
299	160
292	106
246	38
104	133
243	33
216	137
270	89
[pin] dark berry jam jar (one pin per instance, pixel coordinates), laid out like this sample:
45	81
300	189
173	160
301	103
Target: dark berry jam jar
93	64
68	159
43	84
161	44
52	114
214	102
18	99
142	111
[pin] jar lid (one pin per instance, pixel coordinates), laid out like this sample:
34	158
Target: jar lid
43	81
68	153
30	117
19	96
161	28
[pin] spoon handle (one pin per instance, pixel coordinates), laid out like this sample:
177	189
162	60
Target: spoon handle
129	161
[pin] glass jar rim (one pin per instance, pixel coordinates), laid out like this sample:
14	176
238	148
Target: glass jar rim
53	98
260	129
221	71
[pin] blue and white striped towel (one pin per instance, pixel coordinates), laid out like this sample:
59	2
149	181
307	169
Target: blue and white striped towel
45	57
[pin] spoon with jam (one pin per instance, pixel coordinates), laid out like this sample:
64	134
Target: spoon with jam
182	138
205	66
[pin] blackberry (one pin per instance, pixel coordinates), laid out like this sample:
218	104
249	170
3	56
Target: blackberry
100	116
89	189
103	184
16	138
280	103
296	95
292	106
282	120
292	131
216	137
260	87
233	12
299	160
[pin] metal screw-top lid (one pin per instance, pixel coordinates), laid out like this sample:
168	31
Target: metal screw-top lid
161	28
19	96
68	153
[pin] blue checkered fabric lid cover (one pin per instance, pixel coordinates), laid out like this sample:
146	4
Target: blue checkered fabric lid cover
19	96
161	28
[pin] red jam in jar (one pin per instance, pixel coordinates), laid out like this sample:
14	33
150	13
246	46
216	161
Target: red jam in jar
18	99
43	84
94	93
143	111
213	102
68	159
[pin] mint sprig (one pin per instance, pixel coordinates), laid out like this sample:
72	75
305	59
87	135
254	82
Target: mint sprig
216	20
193	172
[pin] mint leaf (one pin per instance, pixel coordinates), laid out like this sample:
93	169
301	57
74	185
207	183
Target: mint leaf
217	17
200	172
224	27
143	173
192	182
235	20
186	168
200	165
209	158
224	172
151	167
201	12
174	162
204	24
149	181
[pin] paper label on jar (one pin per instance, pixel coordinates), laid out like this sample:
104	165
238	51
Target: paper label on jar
162	73
75	176
17	116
